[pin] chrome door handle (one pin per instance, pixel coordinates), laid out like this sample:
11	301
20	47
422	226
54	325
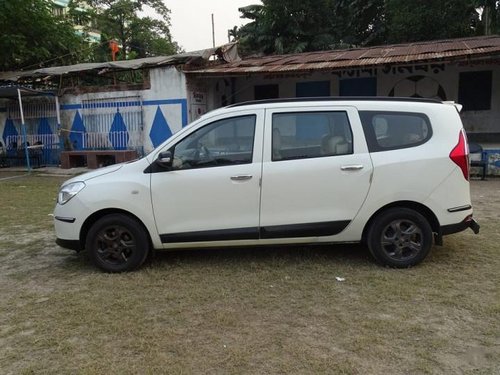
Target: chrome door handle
243	177
351	167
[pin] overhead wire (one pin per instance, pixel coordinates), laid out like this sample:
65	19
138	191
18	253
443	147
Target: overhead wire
65	55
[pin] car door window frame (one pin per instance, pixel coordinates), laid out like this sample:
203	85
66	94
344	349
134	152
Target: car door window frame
324	150
207	158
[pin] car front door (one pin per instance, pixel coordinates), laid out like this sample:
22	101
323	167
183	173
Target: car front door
316	172
211	191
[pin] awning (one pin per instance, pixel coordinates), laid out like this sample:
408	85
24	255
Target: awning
11	92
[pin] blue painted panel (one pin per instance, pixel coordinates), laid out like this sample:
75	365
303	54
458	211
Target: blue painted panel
118	134
9	130
160	130
67	107
164	101
77	131
358	86
184	113
44	126
312	89
182	102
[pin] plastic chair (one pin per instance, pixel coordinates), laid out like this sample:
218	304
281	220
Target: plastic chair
477	158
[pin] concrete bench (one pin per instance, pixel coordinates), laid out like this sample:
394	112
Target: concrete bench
19	160
95	158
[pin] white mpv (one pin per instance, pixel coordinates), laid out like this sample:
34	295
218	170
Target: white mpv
391	173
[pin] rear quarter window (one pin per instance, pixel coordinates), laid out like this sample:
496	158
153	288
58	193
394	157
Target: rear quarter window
395	130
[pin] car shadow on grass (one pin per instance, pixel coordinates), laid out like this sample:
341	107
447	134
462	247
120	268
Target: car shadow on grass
352	254
339	255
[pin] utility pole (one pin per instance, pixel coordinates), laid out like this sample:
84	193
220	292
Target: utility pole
213	31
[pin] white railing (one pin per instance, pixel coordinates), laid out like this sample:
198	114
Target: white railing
47	140
35	109
99	114
120	140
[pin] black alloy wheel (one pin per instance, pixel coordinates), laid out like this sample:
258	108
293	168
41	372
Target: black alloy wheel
117	243
400	237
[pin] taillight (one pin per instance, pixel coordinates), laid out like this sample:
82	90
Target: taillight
460	154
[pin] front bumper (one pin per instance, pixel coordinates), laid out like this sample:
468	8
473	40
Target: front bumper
69	244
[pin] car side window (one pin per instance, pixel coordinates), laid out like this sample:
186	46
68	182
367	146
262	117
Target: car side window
224	142
394	130
302	135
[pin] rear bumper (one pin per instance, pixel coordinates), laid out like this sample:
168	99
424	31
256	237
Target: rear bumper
468	222
69	244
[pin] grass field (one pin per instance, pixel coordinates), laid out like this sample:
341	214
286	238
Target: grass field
259	310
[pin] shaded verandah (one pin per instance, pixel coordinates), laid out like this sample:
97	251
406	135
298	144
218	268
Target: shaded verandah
23	143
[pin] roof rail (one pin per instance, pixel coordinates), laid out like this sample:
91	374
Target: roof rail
336	98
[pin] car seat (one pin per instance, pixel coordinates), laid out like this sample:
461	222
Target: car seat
334	145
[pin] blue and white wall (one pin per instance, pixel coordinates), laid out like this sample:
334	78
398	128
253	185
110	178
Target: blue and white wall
163	108
157	112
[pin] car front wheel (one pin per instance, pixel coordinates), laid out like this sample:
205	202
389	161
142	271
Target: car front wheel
399	237
117	243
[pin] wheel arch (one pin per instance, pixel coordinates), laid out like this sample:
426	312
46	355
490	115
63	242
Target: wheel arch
104	212
418	207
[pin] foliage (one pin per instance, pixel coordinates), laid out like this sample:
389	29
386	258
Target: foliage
429	19
367	21
288	26
148	38
138	36
280	26
32	36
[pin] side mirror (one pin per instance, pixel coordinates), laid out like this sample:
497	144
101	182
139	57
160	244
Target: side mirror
165	159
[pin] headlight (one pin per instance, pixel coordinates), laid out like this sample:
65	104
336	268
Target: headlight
69	191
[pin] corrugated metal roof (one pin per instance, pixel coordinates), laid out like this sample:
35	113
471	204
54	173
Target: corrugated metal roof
112	65
361	57
228	52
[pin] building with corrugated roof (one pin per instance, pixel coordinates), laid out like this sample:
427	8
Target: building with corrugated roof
169	92
464	70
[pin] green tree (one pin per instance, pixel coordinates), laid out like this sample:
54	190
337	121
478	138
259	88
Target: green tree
32	37
287	26
365	21
410	21
137	36
151	37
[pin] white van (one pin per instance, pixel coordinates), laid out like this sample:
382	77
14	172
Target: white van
391	173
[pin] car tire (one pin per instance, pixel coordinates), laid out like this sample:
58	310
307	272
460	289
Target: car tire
117	243
399	237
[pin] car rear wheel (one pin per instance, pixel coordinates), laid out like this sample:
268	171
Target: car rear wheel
117	243
399	237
